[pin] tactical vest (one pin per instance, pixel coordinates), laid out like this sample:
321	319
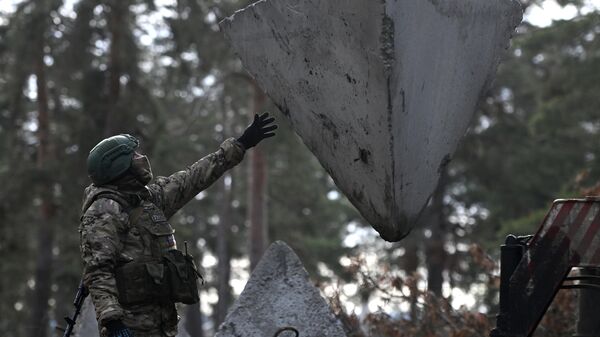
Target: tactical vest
159	272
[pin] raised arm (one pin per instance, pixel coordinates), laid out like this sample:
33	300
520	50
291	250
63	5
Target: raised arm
173	192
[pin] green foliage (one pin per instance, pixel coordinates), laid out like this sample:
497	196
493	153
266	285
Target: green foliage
526	225
537	130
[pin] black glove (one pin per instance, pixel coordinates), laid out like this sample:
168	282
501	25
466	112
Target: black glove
258	130
116	328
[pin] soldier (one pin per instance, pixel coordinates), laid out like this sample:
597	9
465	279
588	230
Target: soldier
132	267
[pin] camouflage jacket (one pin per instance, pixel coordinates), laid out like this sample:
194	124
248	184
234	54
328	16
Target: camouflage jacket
109	240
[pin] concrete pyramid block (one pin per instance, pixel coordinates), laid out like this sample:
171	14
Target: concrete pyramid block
381	91
279	295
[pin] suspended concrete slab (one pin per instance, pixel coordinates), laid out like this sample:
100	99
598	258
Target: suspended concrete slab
380	91
279	295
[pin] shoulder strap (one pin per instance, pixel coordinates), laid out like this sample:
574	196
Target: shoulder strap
134	215
114	197
133	212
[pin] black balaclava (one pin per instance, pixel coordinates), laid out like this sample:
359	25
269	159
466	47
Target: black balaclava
141	169
133	181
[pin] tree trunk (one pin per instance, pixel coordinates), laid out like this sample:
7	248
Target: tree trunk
410	263
224	233
435	254
223	251
410	260
257	187
193	320
16	110
117	23
193	314
45	235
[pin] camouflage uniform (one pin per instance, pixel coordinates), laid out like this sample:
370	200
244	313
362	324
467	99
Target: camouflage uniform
109	240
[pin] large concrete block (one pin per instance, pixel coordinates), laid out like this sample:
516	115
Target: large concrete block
279	295
381	91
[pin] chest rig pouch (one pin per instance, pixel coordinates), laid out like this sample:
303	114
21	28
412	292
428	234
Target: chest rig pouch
182	277
161	273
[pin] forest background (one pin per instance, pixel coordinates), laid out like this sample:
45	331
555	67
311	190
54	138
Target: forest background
73	72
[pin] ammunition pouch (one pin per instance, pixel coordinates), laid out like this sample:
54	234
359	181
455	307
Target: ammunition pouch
141	282
174	279
182	277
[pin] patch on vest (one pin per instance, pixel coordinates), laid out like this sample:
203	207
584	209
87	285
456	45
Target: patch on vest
167	242
158	217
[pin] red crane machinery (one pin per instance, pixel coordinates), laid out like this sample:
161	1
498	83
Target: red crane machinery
535	267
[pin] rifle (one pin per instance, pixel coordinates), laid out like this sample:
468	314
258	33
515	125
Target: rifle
82	293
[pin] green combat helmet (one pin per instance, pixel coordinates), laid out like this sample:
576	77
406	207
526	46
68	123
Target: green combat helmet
110	158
